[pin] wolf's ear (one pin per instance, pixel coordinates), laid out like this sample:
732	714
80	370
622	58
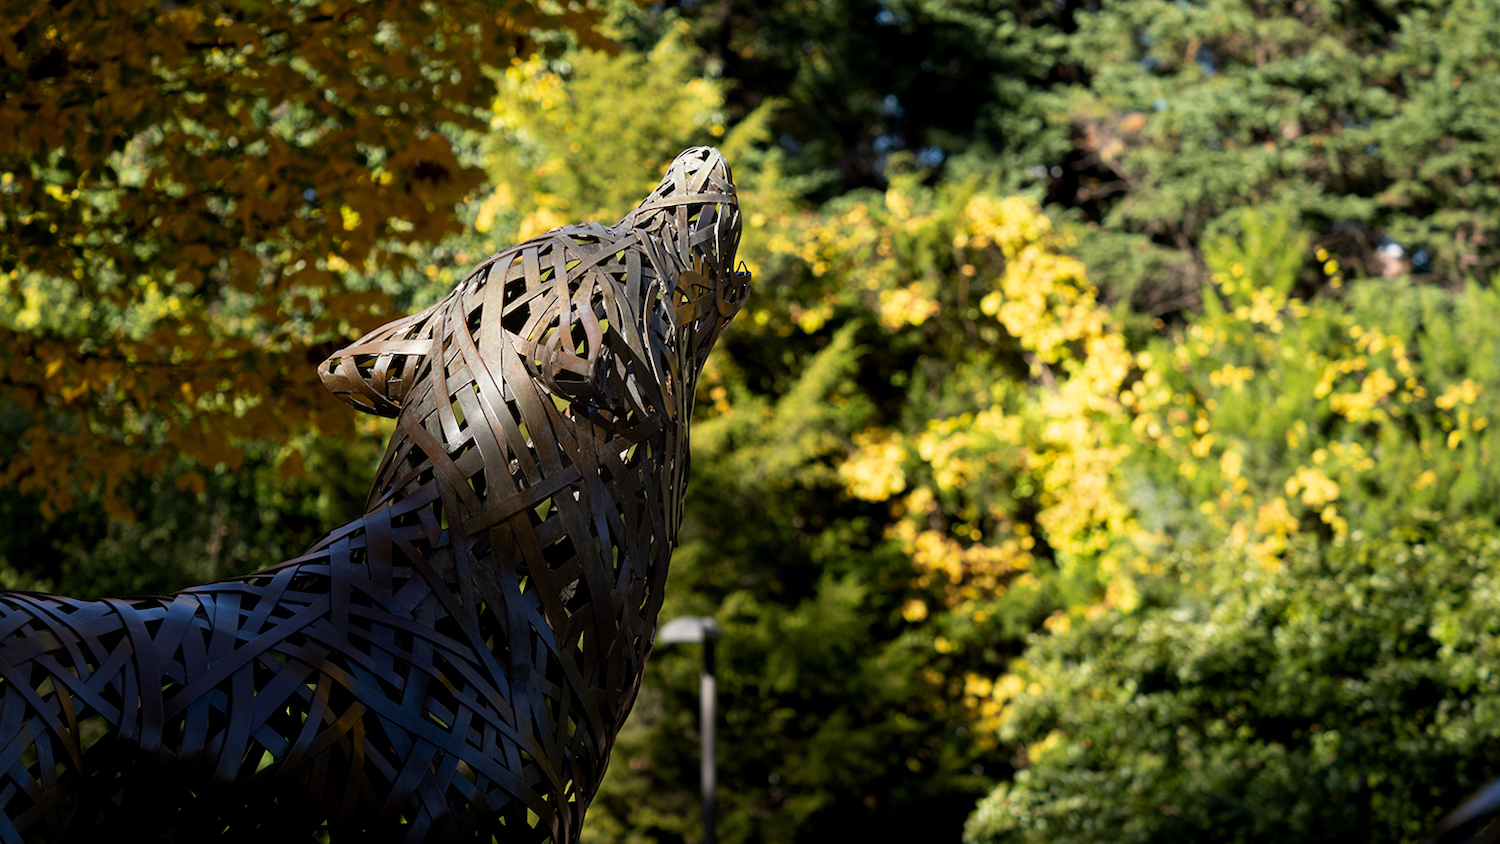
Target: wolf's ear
375	372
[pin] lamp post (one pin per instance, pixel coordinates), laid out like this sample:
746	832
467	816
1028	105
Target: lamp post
689	629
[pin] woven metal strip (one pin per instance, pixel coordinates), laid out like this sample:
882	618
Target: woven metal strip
455	664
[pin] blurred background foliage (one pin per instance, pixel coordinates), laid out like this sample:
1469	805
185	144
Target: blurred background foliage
1103	455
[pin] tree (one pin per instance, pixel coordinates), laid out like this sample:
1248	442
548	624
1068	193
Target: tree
1180	113
1145	122
280	499
1317	535
587	135
1268	705
1377	121
858	80
179	190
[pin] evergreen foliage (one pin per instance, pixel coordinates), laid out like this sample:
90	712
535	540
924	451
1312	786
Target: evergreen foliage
1267	704
1150	119
1376	121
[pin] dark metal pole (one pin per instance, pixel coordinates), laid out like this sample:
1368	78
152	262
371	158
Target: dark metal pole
707	694
1365	822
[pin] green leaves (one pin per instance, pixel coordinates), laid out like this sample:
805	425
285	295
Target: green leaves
1249	709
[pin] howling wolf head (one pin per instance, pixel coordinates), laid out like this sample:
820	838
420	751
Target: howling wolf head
675	281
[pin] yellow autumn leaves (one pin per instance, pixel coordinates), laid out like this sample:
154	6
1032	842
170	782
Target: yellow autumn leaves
1044	464
874	471
562	149
1050	433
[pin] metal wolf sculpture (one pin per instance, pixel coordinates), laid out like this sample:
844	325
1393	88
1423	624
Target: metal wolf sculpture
454	664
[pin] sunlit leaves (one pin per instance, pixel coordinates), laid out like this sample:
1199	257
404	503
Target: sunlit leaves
1316	478
585	136
180	184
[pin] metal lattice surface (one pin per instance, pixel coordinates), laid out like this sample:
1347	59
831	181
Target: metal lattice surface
455	664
